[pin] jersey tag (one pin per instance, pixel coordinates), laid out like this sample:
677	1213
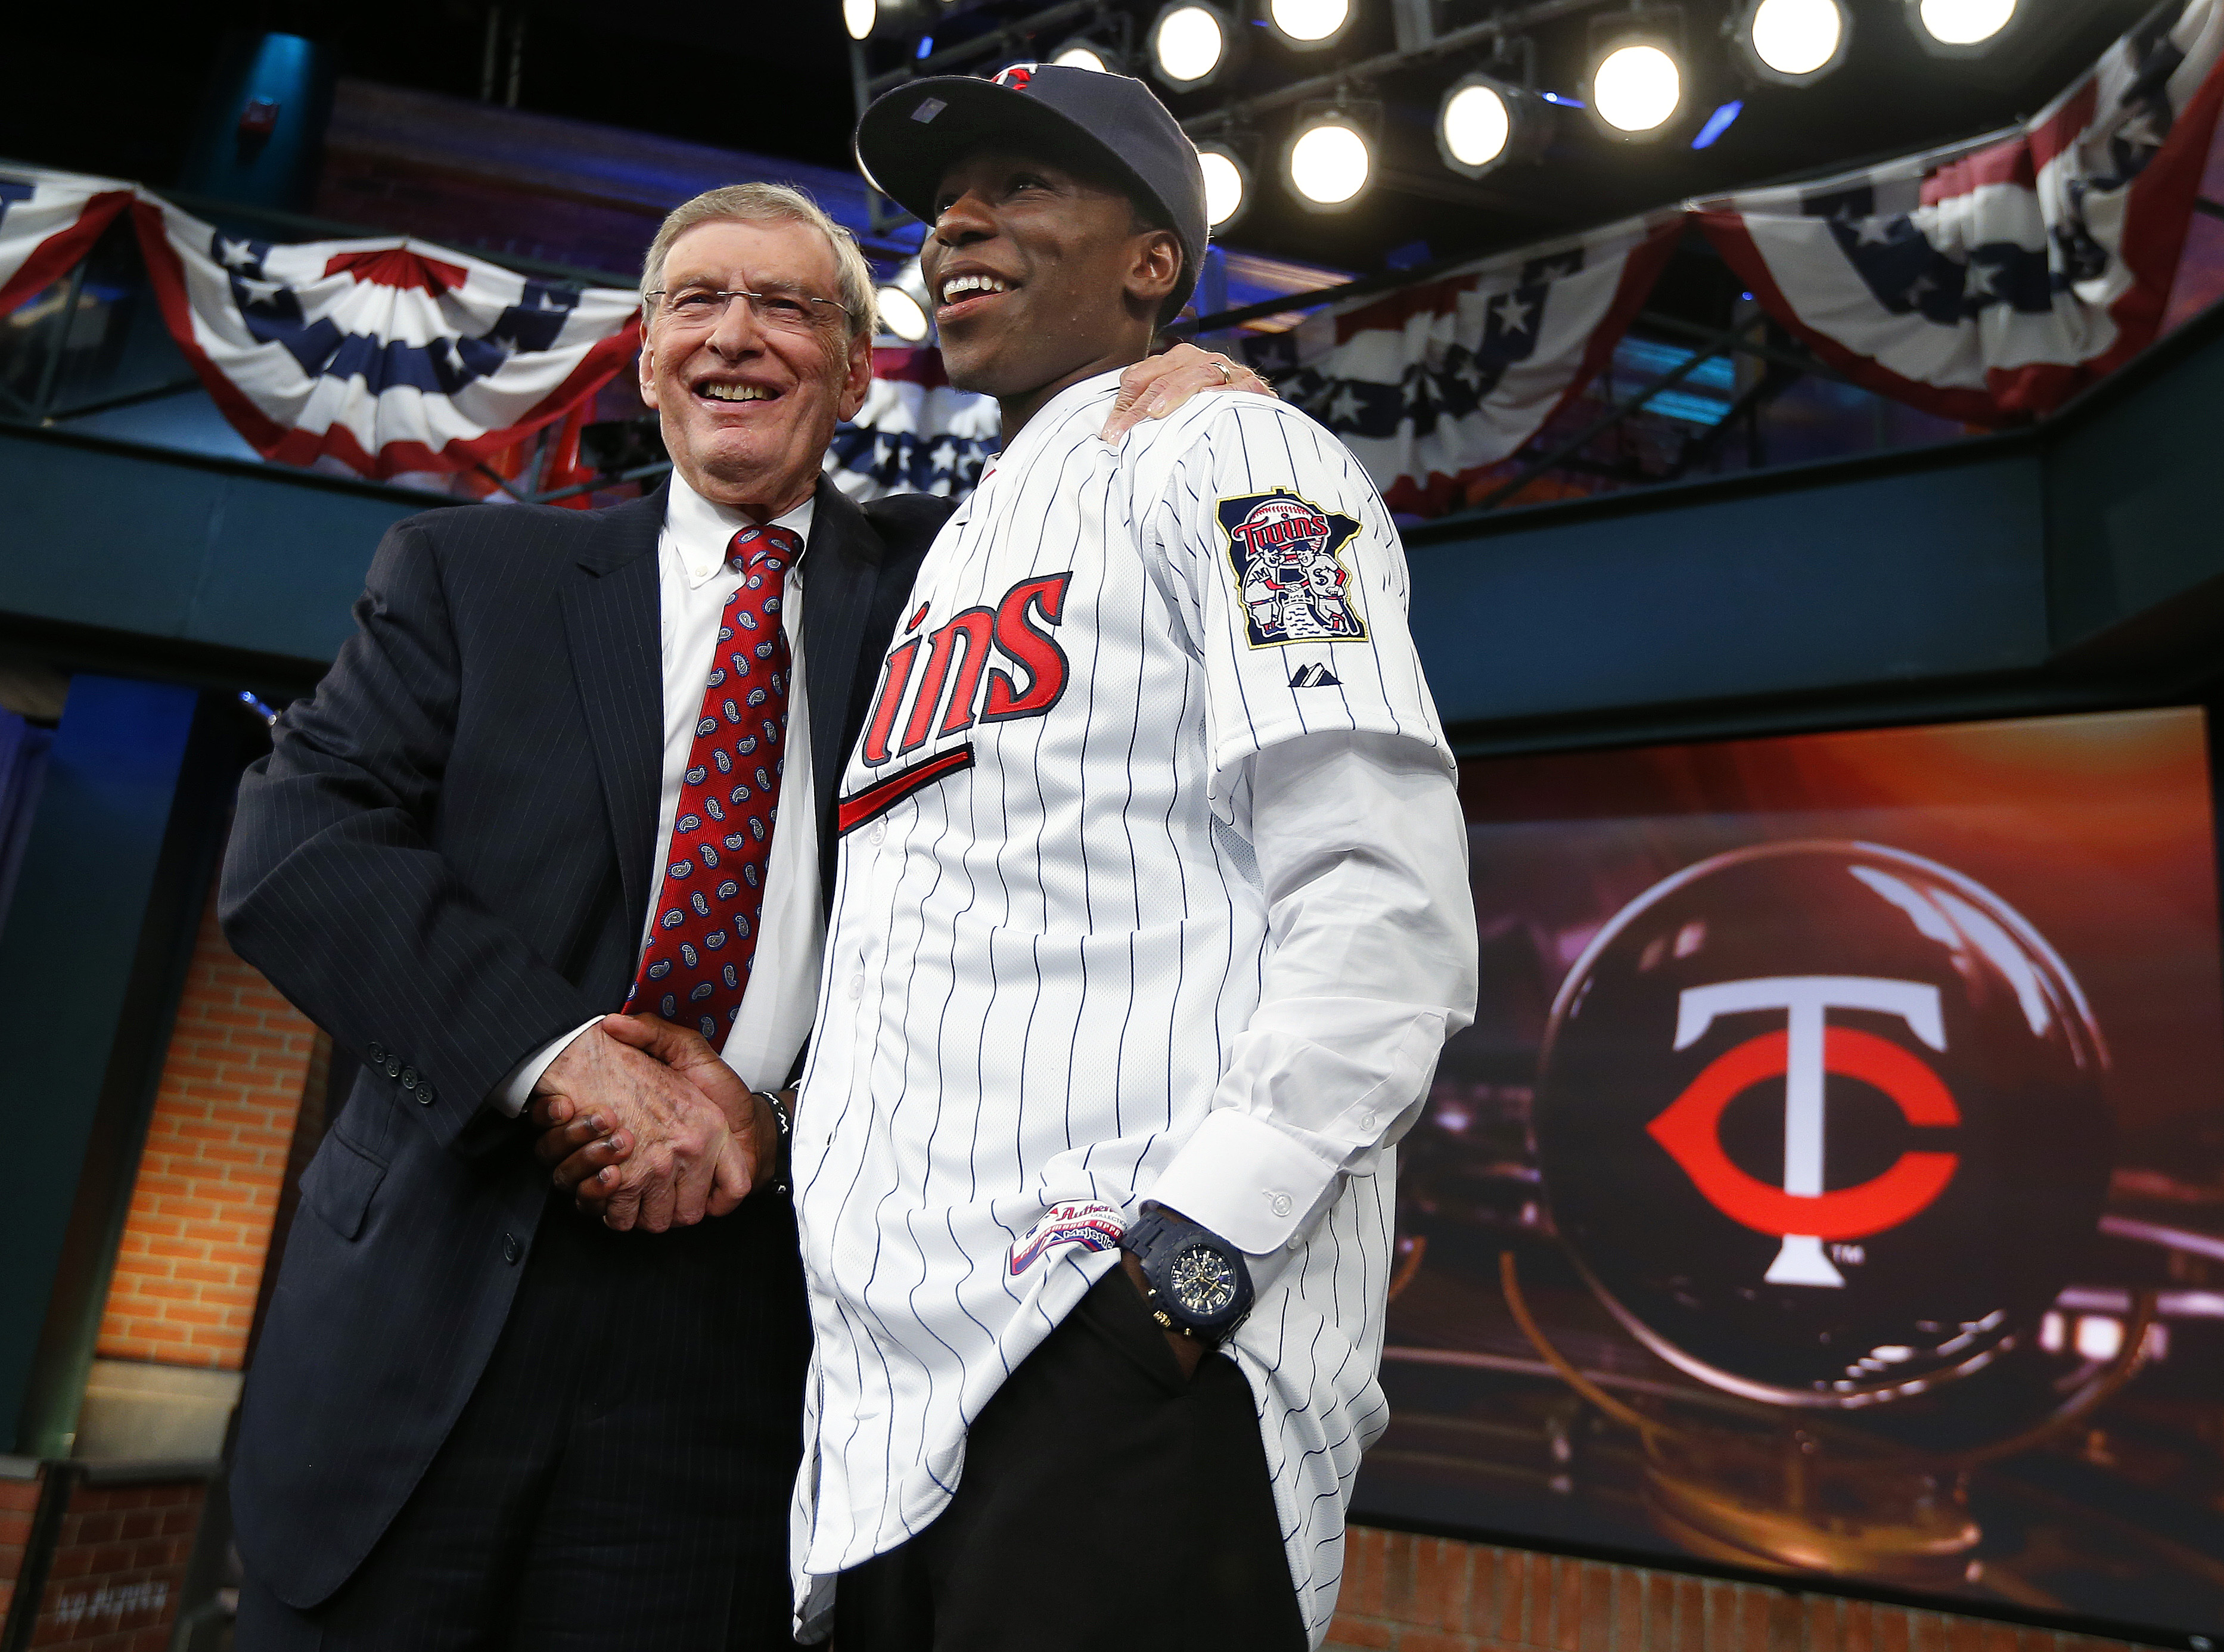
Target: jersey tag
1093	1227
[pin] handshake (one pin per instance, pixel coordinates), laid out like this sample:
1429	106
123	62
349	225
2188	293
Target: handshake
645	1126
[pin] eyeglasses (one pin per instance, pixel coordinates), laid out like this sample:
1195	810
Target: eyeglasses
703	307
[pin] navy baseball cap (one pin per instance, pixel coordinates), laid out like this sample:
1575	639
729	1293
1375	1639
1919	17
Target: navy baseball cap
912	136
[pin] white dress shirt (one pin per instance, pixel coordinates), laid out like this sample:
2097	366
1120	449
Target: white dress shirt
694	583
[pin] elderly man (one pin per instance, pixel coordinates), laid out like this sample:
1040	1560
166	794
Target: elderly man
570	763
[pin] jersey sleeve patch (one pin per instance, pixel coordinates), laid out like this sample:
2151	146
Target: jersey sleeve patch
1287	556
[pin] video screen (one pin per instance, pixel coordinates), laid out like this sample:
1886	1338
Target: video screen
1832	1182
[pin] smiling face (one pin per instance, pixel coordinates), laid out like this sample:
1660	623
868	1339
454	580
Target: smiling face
1041	277
747	407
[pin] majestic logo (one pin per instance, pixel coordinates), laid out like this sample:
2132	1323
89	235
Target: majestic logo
958	686
1801	1213
1287	555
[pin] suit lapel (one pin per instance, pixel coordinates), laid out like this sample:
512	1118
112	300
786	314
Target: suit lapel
842	570
611	621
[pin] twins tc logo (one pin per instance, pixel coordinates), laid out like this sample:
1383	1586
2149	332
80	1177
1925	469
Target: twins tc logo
1018	629
1288	554
1802	1053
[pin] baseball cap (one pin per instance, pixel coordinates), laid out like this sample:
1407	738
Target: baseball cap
911	136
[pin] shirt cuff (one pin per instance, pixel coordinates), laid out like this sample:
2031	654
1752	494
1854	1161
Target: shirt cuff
1250	1183
513	1091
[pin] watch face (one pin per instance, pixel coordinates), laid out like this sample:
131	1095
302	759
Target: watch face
1202	1280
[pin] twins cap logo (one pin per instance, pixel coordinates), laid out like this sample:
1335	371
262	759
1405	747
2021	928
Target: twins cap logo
1822	1124
1287	556
1017	76
1802	1213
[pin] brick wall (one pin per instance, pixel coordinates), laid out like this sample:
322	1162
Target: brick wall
1403	1593
199	1226
119	1567
19	1500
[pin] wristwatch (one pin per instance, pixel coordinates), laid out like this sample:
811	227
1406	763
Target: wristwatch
1194	1281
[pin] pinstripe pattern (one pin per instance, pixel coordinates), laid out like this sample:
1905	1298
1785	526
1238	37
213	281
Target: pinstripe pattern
446	855
1037	962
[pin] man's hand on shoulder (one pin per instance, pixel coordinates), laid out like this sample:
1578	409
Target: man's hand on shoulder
646	1126
1158	385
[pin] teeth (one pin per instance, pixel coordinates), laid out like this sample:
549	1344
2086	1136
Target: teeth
735	393
958	286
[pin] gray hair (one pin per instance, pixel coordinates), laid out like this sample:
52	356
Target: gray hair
766	204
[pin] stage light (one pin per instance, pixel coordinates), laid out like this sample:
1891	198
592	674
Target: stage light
903	305
1636	87
1191	45
1483	123
1959	28
1328	161
1473	123
1084	55
1310	25
1792	43
858	17
1227	182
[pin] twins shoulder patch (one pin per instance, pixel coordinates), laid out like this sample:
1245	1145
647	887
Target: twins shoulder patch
1287	555
1092	1226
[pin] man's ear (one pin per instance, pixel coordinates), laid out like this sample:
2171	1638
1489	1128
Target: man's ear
645	363
1156	268
857	376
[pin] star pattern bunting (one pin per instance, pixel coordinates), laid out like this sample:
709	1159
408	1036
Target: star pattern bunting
1435	384
385	355
1991	281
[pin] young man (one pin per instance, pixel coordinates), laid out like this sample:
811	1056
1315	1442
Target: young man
1150	919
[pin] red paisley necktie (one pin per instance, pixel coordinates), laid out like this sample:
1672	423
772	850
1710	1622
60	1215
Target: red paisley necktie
705	938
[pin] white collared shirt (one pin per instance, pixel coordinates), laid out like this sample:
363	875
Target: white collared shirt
694	584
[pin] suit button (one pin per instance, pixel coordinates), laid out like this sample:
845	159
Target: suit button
393	1067
511	1250
409	1078
377	1054
425	1096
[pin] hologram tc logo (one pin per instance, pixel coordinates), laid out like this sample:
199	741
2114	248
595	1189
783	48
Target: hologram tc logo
1802	1213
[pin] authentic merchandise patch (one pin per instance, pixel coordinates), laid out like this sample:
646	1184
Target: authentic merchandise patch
1287	555
1093	1227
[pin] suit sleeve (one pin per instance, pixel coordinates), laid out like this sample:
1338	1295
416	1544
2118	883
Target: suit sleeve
333	889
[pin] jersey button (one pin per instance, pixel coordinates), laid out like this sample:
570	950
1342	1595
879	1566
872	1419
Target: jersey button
879	833
1281	1204
856	986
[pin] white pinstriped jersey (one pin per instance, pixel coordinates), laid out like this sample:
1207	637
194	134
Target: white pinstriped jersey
1049	935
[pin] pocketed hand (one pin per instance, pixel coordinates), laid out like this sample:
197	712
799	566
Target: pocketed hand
645	1126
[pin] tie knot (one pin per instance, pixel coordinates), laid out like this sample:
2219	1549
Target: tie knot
774	547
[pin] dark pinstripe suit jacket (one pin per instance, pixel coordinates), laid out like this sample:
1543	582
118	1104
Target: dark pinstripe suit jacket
444	863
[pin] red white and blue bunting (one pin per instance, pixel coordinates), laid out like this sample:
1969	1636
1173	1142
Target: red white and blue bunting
1985	284
1992	281
915	434
1436	384
49	221
385	355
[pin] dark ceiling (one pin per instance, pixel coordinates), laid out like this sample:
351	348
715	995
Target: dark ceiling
774	79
